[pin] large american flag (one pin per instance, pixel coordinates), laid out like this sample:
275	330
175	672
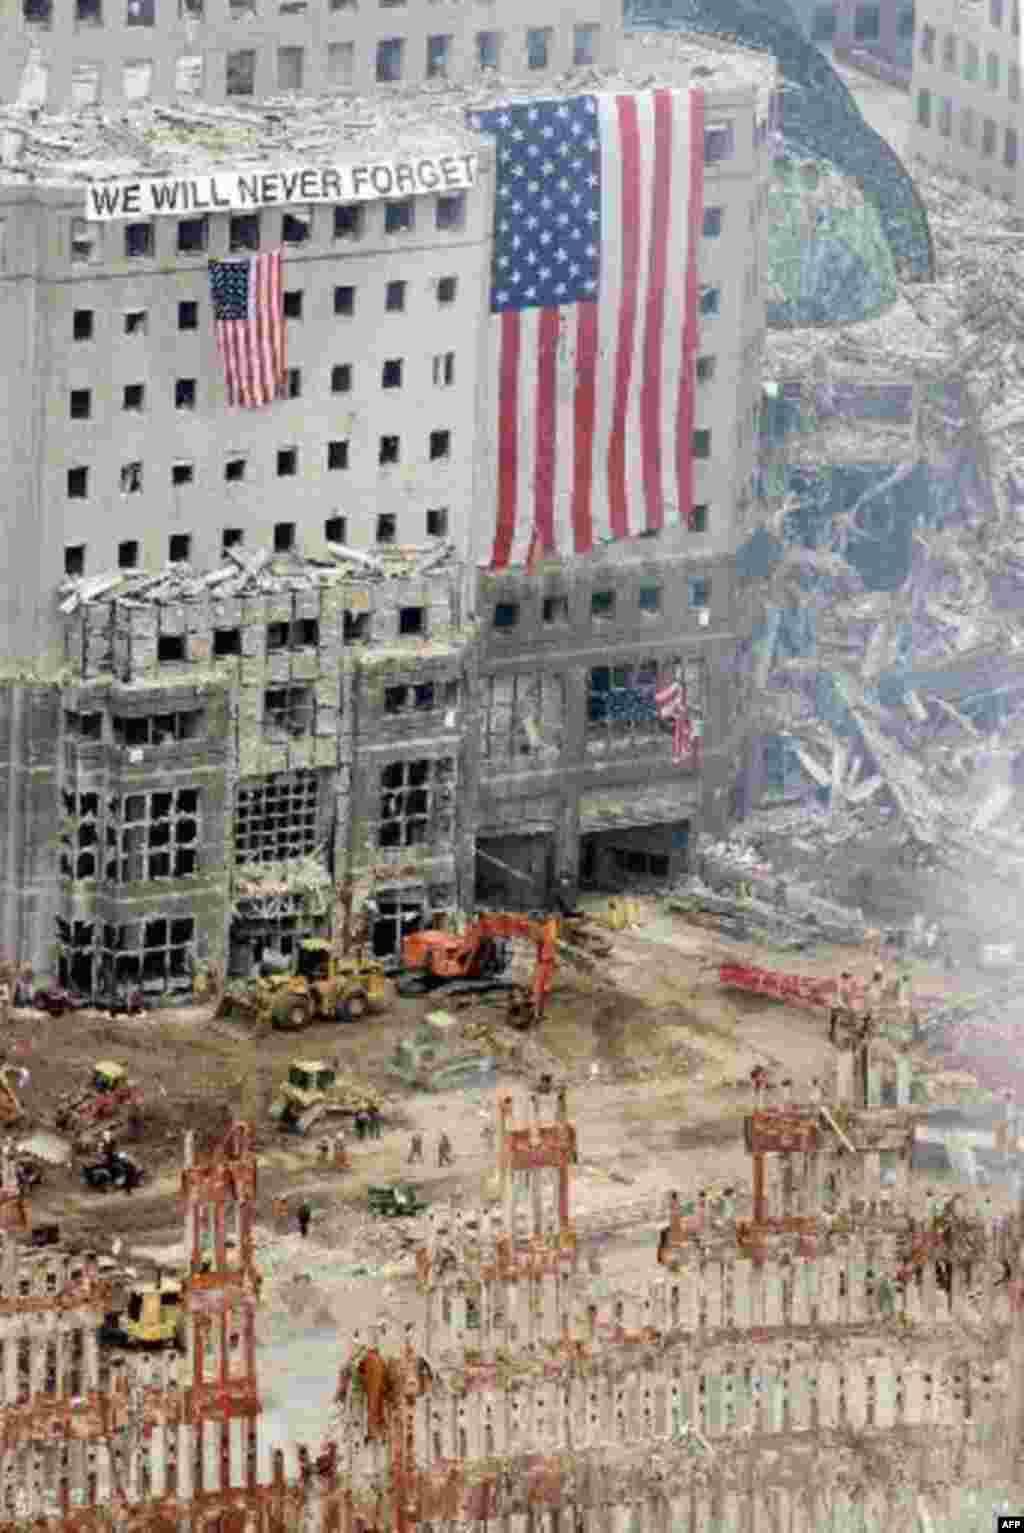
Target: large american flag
248	321
593	330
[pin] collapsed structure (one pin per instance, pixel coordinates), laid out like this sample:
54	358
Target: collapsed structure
841	1353
287	672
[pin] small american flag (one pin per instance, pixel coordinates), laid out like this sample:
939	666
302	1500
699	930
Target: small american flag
593	333
248	320
671	703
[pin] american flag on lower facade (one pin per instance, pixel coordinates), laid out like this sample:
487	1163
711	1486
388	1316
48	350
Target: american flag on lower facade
248	320
598	211
671	703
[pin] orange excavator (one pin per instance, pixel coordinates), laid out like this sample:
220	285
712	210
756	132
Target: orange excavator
476	959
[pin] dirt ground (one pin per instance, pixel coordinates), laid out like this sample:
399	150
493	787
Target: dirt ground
673	1055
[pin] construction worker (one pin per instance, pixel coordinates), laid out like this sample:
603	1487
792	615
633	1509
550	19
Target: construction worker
873	999
360	1125
841	1010
374	1122
416	1150
444	1151
305	1214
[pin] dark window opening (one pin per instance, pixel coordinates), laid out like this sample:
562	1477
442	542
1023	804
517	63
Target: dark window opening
81	404
387	527
294	229
81	325
179	548
712	224
78	483
193	235
388	450
440	445
185	394
170	648
234	470
287	462
411	621
336	529
136	322
276	818
293	304
74	560
284	537
288	710
391	374
357	627
227	641
128	555
437	522
131	479
138	240
602	604
341	378
394	297
556	609
134	396
337	455
294	383
232	537
182	474
188	315
446	289
344	300
349	221
649	599
244	232
506	614
451	211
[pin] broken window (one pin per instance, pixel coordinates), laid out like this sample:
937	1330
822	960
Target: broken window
440	444
159	728
417	801
288	711
303	633
292	304
83	726
84	242
133	396
602	604
388	451
556	609
82	325
412	621
336	529
444	370
241	71
153	836
337	455
341	378
157	955
80	831
437	522
287	462
349	221
78	484
521	716
276	817
81	404
421	695
357	627
74	559
136	322
131	479
170	648
226	642
128	554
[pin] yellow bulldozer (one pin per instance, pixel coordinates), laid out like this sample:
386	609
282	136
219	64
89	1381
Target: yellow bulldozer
154	1316
322	988
315	1091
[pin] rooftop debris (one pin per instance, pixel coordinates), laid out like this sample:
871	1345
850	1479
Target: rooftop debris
257	572
89	145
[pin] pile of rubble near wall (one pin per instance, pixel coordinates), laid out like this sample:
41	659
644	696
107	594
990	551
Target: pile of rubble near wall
887	587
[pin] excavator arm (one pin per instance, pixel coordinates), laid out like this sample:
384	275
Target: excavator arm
543	935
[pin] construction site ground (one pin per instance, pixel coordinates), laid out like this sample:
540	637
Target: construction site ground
673	1053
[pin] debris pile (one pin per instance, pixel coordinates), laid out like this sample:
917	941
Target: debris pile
257	573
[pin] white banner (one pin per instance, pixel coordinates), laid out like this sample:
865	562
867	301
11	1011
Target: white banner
240	190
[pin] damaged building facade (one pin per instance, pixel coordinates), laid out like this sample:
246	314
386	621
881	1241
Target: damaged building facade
252	657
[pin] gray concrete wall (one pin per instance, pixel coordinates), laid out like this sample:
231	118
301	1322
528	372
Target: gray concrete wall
204	34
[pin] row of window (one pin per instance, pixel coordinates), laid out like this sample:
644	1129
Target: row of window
389	453
245	229
338	60
604	605
989	138
867	23
392	376
179	546
971	61
136	321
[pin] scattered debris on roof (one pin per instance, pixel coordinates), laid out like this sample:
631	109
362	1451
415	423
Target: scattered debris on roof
255	573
